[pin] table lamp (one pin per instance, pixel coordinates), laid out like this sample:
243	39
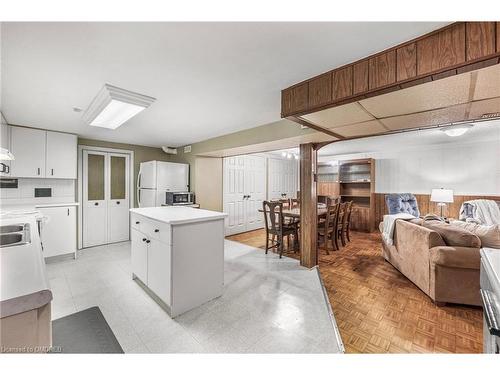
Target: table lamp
442	196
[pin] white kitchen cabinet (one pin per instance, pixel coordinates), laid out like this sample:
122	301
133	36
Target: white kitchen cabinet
5	143
139	258
61	155
28	147
178	255
40	153
159	270
58	232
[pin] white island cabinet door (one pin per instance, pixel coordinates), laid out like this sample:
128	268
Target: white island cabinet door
61	155
139	255
159	269
28	147
58	232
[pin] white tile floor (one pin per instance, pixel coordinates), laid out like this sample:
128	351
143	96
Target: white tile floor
269	305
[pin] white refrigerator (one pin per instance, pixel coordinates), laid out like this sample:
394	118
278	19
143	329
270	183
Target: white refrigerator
156	178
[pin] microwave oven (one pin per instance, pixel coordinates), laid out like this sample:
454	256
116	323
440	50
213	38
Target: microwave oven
179	198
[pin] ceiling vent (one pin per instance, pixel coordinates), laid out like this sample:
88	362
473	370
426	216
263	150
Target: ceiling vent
169	150
490	116
187	149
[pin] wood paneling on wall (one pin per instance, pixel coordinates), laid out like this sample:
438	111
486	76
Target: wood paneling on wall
425	205
453	49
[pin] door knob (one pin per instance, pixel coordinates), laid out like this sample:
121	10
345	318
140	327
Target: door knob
144	239
117	202
96	204
157	230
137	222
148	241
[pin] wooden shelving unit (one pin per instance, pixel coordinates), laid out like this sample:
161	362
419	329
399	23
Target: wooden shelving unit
357	184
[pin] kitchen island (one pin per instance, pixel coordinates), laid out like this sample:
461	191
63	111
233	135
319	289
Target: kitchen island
178	255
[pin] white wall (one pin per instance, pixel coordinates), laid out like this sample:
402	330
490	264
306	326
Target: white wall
62	191
471	168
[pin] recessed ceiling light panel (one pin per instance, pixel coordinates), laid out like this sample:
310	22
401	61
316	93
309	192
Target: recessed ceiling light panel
113	106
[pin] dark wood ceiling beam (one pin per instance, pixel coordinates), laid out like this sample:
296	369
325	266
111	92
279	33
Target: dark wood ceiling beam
451	50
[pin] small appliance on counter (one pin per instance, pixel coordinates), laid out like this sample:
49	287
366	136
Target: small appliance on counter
179	198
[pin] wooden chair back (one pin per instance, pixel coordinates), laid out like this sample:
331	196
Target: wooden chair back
273	216
347	214
332	213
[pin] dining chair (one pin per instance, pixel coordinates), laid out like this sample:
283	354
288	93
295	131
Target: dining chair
345	219
348	231
276	226
338	224
326	230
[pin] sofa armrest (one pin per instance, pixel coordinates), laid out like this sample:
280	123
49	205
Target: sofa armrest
414	236
456	257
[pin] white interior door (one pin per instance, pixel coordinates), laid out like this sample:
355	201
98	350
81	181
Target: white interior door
106	196
95	219
234	190
118	203
255	191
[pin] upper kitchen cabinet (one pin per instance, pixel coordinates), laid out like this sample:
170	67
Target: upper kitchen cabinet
44	154
441	50
5	143
28	147
61	155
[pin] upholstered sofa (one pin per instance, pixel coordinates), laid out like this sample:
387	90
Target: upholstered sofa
441	259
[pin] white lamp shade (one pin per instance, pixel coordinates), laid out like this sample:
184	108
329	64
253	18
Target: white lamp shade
442	195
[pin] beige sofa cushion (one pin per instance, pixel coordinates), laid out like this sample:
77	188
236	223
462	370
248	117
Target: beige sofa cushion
453	235
457	257
488	234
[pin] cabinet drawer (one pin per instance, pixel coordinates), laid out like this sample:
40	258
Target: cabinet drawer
151	228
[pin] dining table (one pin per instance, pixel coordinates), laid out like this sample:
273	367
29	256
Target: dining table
294	212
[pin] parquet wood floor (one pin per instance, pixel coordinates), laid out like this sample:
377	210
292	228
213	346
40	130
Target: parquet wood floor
378	310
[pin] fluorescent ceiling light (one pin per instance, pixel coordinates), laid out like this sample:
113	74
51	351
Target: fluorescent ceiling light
113	106
456	130
5	154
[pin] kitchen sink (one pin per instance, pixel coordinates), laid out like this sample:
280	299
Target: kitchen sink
10	239
11	228
14	235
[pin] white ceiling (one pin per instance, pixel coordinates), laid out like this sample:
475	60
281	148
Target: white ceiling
209	79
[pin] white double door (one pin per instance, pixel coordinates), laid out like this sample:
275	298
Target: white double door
283	179
244	191
106	203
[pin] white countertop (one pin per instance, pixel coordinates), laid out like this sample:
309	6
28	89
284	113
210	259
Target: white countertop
24	284
175	215
6	208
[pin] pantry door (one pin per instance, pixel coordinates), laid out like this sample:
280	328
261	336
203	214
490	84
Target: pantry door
105	198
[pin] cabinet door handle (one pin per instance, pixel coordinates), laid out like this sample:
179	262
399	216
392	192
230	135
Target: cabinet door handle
52	171
157	230
144	239
148	241
68	211
117	202
38	171
137	222
96	204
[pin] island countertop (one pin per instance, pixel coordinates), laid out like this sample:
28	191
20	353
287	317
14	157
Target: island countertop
175	215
